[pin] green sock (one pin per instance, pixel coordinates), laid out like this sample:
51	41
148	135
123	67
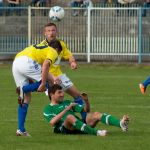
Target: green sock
110	120
84	127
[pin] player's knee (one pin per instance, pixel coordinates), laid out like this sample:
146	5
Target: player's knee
27	97
71	118
18	90
97	115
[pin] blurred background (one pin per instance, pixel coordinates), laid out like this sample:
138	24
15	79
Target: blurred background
94	30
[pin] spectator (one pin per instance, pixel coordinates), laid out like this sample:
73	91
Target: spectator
104	3
86	4
13	4
123	3
145	6
40	3
76	3
1	7
82	4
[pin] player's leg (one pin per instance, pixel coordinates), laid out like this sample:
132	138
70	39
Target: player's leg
20	80
35	75
22	113
93	118
71	123
111	120
144	85
32	87
24	69
70	89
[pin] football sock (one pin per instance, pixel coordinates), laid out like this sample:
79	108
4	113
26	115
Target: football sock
79	100
84	127
32	87
110	120
22	112
146	82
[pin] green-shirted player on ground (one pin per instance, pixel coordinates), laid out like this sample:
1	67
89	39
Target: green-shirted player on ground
32	64
62	116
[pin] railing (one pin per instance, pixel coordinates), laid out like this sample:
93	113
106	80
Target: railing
96	34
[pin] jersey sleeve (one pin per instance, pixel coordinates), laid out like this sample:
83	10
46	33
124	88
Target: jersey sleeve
48	115
78	108
66	54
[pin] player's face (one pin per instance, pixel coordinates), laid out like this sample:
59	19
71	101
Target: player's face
50	32
59	96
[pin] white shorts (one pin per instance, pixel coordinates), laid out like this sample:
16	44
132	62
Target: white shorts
65	82
24	68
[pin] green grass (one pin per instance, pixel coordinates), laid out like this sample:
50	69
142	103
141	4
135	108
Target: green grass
111	88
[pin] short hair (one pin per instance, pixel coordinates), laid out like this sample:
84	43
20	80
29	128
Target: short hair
55	44
52	89
50	24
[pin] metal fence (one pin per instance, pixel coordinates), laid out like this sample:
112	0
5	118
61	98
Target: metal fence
95	34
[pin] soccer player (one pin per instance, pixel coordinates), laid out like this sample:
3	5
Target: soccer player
61	114
32	63
144	85
50	33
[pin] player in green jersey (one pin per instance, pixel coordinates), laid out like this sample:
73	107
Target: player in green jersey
62	115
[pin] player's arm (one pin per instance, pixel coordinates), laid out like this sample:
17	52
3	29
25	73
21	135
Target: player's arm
86	102
57	118
51	56
73	63
45	72
67	55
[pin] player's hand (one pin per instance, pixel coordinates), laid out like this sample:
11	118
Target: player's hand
70	106
41	88
73	65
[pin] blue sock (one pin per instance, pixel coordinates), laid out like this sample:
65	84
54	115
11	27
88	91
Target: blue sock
79	100
146	82
22	112
32	87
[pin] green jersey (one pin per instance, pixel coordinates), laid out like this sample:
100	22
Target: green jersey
51	111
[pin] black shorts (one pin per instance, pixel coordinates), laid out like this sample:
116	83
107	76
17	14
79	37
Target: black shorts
63	130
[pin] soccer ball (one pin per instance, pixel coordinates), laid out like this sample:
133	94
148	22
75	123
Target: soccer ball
56	13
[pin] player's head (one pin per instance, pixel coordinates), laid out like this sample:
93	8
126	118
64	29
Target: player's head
50	31
56	45
56	93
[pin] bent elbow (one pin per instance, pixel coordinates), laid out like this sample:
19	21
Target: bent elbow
52	123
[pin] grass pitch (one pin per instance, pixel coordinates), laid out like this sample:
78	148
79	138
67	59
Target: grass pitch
111	88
